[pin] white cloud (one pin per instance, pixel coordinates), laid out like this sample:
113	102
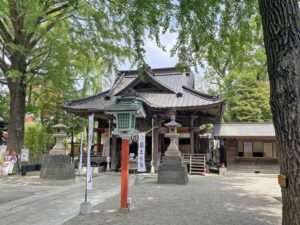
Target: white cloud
155	57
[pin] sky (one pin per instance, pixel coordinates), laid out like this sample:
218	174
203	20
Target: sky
155	56
158	58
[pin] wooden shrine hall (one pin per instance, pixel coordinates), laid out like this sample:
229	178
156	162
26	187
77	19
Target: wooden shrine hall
163	92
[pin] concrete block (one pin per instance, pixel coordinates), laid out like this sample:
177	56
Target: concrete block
172	171
57	167
85	208
222	171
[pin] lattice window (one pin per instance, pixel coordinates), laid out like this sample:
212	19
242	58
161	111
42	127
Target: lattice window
123	120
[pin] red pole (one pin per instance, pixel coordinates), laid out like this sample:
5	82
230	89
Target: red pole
124	173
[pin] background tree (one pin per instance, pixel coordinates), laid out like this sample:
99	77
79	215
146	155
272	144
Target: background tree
36	36
247	99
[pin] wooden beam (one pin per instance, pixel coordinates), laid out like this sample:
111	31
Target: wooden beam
192	140
114	152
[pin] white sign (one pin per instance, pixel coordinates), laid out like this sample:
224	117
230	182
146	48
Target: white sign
89	173
80	156
24	155
105	151
141	153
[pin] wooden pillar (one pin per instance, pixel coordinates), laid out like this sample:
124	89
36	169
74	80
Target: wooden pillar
124	173
159	141
192	139
113	152
98	142
98	138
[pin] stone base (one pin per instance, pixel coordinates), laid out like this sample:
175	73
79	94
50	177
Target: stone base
124	210
172	171
222	171
57	167
85	208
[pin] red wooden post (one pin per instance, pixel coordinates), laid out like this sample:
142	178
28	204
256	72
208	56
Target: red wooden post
124	173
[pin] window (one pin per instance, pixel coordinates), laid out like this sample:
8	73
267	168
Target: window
123	120
268	149
248	149
257	149
241	148
184	141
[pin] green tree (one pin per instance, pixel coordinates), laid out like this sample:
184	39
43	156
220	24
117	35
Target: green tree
37	36
247	99
36	139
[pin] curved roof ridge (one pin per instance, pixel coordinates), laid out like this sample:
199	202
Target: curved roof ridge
201	94
83	100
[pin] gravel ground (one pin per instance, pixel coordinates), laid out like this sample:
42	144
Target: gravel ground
205	200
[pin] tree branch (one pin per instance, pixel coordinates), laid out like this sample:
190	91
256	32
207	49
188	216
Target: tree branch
4	33
3	65
57	9
3	81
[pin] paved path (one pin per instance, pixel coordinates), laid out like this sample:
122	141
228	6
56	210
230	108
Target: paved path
212	200
46	203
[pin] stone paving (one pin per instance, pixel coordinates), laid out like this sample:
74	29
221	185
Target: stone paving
30	200
238	199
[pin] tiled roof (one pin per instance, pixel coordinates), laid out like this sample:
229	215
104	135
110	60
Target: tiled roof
244	130
177	95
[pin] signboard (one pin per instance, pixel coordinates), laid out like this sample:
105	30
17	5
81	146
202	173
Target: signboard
24	155
141	153
282	181
89	172
7	161
105	151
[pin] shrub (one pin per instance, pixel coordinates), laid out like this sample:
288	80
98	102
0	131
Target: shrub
36	139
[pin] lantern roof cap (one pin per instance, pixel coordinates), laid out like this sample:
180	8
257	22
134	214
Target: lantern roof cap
60	124
124	104
172	123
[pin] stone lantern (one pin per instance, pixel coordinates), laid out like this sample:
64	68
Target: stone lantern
172	149
59	148
173	170
58	165
126	110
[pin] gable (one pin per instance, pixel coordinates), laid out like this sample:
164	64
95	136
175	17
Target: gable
149	83
147	87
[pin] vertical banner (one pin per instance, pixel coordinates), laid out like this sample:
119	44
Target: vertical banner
89	172
141	153
81	151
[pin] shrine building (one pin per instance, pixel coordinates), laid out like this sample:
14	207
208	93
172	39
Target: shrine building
163	92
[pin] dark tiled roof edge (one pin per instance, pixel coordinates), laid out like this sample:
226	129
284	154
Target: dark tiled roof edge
203	95
87	99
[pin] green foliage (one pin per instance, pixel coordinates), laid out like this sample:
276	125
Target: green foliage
37	139
247	100
4	105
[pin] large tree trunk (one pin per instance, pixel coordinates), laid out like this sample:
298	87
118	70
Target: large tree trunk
280	21
16	115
